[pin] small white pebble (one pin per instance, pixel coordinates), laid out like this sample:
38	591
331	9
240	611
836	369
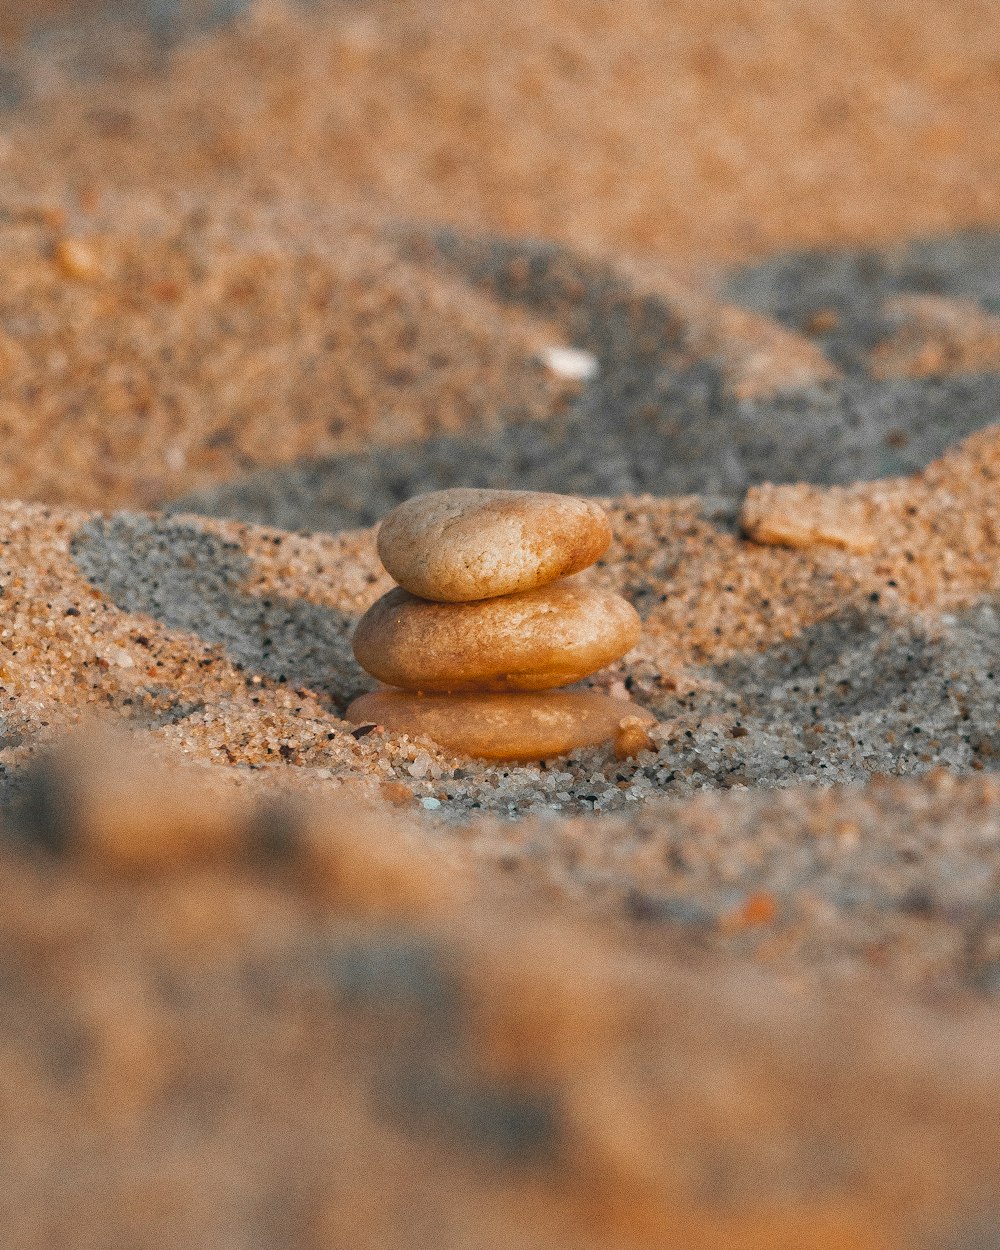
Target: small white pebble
77	259
118	656
572	363
420	765
430	804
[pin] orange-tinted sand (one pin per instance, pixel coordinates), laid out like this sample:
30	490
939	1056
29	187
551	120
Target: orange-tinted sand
312	984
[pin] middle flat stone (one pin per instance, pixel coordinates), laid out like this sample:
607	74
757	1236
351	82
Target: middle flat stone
543	638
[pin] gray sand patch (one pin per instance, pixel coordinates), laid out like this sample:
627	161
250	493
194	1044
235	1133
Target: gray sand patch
857	694
854	285
697	441
193	581
653	421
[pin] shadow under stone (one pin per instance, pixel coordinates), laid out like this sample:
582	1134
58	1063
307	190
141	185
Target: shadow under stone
194	581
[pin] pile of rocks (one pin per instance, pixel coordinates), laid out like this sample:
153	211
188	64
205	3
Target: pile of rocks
483	619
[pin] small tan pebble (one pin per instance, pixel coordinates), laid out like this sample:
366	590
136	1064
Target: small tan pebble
533	641
759	908
77	259
394	792
804	516
516	727
823	321
459	545
631	737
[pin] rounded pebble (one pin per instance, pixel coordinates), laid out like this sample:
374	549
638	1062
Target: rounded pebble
459	545
515	727
533	641
631	738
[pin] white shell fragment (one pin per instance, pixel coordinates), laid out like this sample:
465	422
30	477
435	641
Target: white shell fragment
572	363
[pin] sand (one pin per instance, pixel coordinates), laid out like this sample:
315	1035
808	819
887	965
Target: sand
267	272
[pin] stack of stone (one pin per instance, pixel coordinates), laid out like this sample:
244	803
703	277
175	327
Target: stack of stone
483	619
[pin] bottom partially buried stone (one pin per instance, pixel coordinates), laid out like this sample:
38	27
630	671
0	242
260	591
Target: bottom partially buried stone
516	727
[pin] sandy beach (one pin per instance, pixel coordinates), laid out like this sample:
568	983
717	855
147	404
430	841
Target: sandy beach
270	270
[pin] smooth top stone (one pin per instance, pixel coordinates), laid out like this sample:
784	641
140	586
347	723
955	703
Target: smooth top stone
459	545
533	641
507	726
